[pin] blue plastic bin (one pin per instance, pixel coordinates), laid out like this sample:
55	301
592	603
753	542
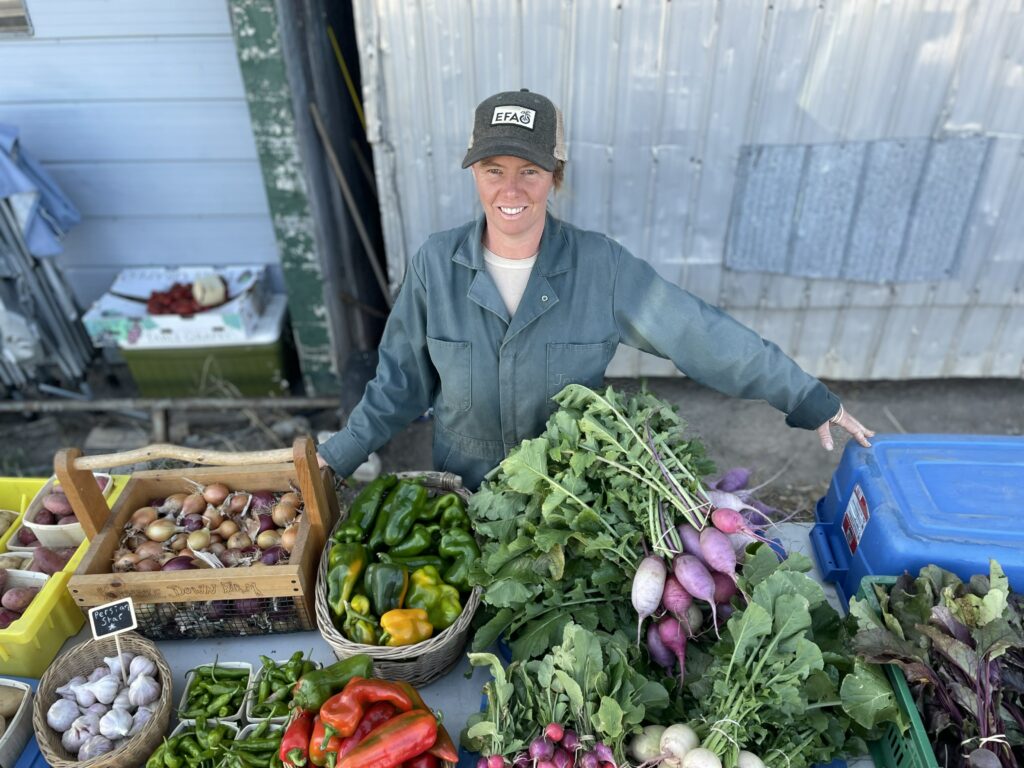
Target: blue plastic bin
912	500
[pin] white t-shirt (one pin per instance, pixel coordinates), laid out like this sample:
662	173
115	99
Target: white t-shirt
511	277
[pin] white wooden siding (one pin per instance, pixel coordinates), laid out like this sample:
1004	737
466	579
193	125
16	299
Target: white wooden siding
660	96
138	110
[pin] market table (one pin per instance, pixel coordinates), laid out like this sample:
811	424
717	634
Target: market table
456	695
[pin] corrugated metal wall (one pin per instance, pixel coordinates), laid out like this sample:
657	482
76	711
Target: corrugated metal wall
139	112
662	99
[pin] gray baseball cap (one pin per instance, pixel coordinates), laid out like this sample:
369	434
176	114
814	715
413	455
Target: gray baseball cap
520	124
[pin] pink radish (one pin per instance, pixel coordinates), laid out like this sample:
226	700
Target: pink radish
696	580
648	584
730	521
691	540
672	636
718	551
674	598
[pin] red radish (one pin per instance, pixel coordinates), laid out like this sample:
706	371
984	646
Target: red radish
718	551
674	598
725	588
554	731
672	636
696	580
648	584
691	540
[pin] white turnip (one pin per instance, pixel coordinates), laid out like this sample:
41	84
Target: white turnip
748	760
678	740
701	758
648	584
646	745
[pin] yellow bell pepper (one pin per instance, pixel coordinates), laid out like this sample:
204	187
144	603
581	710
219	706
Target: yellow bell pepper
405	626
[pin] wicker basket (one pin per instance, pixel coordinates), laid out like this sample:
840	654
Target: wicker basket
417	664
81	660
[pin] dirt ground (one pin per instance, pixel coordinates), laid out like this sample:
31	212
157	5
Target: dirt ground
736	433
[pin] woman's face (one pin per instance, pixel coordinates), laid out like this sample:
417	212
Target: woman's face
514	193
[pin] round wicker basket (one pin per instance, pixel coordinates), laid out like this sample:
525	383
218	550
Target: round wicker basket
417	664
81	660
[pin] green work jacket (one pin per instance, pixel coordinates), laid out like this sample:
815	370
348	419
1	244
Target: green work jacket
450	343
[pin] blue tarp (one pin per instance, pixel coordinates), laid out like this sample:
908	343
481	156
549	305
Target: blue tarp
44	213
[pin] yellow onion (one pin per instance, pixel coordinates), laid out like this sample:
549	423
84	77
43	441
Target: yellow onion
179	542
147	564
289	537
194	504
142	517
199	539
149	549
227	529
213	518
268	539
215	493
239	541
290	498
160	530
283	514
237	502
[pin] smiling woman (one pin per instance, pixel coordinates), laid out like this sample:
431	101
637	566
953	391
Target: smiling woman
498	315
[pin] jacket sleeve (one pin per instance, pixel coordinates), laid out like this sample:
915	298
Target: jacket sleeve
402	387
711	347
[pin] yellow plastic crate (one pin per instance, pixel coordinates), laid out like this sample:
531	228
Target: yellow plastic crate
15	494
29	645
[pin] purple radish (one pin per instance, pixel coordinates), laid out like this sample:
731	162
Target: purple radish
718	552
697	581
571	741
496	761
561	758
604	752
659	652
589	760
725	588
674	598
541	749
735	479
691	540
648	584
481	763
672	637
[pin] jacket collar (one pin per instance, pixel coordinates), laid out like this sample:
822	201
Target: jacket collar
554	257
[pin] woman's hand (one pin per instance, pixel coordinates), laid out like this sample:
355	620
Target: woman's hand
322	462
843	419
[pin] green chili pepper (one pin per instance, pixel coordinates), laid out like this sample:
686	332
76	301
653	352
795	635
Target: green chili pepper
414	561
362	513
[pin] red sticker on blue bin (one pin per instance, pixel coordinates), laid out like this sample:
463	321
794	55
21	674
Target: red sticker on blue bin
855	520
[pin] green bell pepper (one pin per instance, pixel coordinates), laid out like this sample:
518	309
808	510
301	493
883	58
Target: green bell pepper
316	687
459	545
455	517
446	503
408	501
417	542
412	562
439	600
362	513
345	565
386	585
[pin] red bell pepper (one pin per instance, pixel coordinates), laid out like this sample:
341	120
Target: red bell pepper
294	752
443	748
323	747
401	738
426	760
377	714
342	713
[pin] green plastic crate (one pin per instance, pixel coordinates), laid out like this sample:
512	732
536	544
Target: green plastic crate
898	750
255	370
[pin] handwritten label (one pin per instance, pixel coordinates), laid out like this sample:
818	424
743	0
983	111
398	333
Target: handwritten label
112	618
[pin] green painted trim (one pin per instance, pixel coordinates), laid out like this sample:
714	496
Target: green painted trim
254	24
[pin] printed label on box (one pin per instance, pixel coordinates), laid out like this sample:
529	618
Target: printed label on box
855	520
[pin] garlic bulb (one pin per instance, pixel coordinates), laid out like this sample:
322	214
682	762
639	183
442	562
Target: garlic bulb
116	724
83	694
121	701
141	665
81	729
142	716
143	690
67	690
95	746
116	663
61	714
105	689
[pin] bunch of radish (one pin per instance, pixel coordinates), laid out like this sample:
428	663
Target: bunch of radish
557	747
703	571
212	527
678	746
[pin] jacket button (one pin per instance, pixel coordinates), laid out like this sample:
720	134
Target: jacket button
543	298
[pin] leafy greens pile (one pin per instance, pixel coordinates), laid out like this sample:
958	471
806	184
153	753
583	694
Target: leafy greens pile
961	648
588	683
782	682
563	517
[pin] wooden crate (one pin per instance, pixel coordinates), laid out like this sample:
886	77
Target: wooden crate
162	595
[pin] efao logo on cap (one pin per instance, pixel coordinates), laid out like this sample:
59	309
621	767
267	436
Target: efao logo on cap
513	115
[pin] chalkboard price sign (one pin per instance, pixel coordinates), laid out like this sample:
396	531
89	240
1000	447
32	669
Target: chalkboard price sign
112	618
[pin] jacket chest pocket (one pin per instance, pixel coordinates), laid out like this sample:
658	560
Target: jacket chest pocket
576	364
453	361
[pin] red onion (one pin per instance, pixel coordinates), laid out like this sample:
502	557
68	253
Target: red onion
179	564
262	501
273	555
247	606
230	557
193	522
266	523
